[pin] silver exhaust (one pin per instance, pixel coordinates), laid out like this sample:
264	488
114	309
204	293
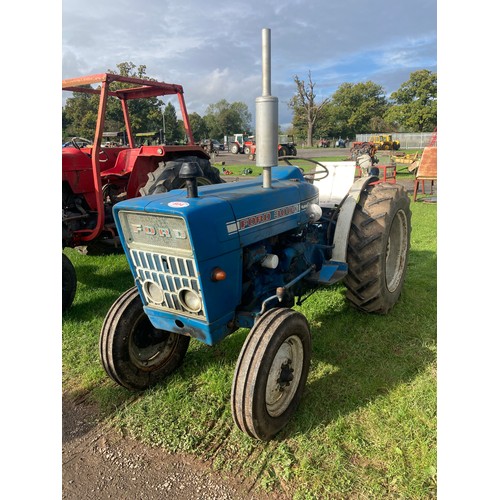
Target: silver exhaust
266	117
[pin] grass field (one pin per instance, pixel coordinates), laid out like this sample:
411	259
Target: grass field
366	426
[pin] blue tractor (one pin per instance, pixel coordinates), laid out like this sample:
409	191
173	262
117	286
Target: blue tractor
209	260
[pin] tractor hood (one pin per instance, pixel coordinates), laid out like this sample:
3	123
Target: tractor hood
230	215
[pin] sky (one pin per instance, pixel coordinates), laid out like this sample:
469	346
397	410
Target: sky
213	48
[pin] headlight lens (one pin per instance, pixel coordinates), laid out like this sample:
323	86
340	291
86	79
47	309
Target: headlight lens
190	300
153	292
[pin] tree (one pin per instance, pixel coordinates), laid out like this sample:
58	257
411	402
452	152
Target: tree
414	106
306	111
80	115
198	127
171	132
223	118
128	69
357	107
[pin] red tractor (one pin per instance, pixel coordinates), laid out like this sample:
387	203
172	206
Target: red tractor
286	147
239	143
97	174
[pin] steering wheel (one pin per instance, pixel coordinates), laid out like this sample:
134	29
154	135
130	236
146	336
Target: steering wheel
311	175
75	140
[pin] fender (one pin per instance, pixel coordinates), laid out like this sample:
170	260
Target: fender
345	218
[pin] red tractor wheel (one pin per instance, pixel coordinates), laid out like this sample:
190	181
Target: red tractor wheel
166	176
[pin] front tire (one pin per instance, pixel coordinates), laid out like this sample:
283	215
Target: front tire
134	353
378	248
271	373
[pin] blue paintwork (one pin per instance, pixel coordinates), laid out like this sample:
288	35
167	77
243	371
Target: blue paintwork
225	219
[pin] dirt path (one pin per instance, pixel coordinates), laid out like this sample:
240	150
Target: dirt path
99	463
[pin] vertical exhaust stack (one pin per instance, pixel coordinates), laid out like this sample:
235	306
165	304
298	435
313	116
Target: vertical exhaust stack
266	117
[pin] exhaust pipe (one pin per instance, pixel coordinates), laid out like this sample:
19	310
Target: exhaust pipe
266	117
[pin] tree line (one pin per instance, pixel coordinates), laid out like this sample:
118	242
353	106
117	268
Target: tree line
355	108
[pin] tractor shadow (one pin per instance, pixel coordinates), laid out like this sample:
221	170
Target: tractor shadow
359	357
97	290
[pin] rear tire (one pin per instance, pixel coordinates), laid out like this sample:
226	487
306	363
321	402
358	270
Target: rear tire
283	151
134	353
378	248
166	176
271	373
69	283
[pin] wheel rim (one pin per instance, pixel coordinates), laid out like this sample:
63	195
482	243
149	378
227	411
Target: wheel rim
149	348
397	246
284	376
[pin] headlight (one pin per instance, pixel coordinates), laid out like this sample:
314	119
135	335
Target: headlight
190	300
153	292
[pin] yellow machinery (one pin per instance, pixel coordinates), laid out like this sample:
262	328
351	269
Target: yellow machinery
385	142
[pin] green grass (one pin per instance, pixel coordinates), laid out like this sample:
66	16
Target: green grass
366	426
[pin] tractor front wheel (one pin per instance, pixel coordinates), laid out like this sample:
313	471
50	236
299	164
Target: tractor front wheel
271	373
134	353
378	247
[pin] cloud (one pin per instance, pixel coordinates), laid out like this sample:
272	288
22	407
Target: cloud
214	49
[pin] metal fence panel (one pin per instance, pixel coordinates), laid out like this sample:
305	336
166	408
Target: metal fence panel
407	140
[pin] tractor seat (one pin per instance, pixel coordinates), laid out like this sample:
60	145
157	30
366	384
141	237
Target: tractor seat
123	165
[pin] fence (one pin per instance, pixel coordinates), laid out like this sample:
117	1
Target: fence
407	140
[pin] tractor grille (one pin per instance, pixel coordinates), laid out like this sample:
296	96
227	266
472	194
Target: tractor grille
172	274
161	253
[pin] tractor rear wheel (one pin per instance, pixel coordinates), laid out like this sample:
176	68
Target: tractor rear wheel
283	151
378	247
271	373
166	176
134	353
69	282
